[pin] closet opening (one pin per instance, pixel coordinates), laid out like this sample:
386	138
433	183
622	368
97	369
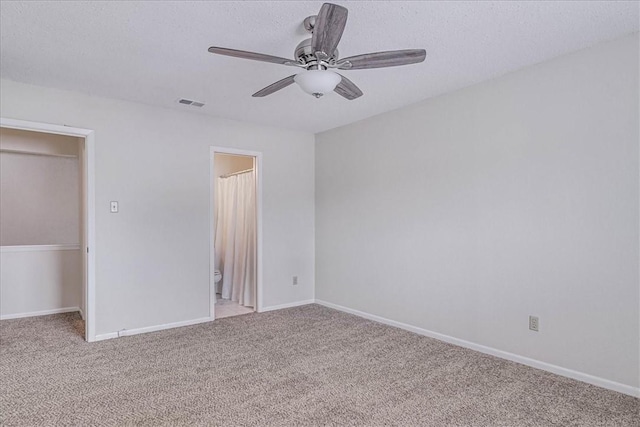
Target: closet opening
47	226
235	236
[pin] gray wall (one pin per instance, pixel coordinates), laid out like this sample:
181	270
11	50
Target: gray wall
39	195
39	200
230	163
517	196
152	258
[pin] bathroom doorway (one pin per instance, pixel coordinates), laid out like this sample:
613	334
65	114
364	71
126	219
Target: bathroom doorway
234	232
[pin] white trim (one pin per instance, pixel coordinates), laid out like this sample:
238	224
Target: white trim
147	329
39	248
288	305
129	332
44	127
81	313
39	313
580	376
90	236
212	250
107	336
36	153
257	155
259	289
90	214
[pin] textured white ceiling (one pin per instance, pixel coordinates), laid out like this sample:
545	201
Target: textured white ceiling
156	52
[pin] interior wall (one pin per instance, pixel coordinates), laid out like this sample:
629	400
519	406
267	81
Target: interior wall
152	258
39	205
224	164
40	280
39	194
471	211
38	142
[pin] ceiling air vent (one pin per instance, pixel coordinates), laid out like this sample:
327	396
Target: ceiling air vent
190	102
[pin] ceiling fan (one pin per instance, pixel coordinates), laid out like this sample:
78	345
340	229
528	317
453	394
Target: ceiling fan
318	56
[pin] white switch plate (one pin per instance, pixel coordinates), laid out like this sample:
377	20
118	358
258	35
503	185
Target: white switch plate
114	207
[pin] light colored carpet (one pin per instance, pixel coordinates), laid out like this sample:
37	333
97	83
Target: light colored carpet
301	366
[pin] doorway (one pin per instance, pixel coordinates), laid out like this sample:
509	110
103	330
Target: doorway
66	248
235	237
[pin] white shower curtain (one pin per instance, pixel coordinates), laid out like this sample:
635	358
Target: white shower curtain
235	238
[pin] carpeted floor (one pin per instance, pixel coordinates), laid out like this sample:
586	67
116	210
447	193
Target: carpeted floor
296	367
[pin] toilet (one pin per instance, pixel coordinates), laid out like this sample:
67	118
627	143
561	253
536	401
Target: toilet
217	278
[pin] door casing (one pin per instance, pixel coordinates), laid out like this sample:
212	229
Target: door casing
212	185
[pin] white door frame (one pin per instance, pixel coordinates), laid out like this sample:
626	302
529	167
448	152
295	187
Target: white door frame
212	185
89	184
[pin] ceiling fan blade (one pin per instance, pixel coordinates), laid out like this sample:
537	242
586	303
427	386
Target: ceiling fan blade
348	89
328	28
251	55
391	58
280	84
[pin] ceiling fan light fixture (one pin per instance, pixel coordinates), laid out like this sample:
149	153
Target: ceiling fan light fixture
320	52
317	82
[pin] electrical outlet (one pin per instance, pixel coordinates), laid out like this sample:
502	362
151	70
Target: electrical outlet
534	323
295	280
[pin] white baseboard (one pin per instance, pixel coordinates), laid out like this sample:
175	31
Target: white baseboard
39	313
81	313
147	329
580	376
107	336
288	305
129	332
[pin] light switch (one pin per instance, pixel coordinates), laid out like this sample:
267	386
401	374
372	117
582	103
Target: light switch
114	207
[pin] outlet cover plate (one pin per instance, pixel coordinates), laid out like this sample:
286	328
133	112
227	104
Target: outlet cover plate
534	323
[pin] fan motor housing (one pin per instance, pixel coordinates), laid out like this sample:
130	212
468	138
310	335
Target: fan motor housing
305	55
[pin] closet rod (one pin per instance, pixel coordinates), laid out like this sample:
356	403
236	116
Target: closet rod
33	153
236	173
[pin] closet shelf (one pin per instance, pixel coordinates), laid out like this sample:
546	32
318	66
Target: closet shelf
35	153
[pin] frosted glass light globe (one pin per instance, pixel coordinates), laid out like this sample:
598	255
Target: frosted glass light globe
317	82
